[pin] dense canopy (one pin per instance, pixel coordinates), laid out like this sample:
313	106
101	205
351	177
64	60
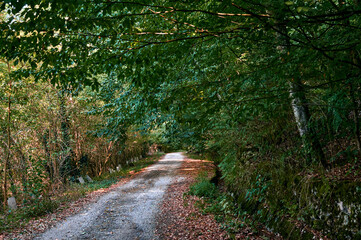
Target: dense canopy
269	89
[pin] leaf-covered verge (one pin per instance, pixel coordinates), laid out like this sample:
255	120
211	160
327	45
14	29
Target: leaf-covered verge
184	216
178	217
45	213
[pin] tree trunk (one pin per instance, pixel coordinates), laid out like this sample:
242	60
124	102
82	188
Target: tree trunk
216	179
355	112
302	117
7	159
65	160
300	110
299	102
356	60
45	141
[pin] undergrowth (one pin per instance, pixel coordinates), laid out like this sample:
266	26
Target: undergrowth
215	202
269	178
203	187
293	204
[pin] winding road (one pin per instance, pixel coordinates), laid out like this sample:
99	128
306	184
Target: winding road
128	212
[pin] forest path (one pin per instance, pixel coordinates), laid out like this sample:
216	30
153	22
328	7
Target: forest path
128	212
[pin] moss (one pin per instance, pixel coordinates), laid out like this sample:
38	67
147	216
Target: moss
278	196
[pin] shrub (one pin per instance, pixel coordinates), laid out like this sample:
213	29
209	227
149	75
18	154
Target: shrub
41	208
204	188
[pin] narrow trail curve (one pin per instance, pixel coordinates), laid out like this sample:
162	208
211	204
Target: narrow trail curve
128	212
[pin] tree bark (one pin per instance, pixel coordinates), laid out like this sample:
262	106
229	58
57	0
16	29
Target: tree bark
355	112
300	110
299	101
65	160
7	159
356	60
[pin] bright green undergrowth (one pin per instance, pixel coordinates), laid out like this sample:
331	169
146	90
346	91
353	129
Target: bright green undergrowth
203	187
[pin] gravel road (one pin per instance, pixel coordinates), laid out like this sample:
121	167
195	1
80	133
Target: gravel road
128	212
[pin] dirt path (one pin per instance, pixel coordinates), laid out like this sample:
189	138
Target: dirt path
128	212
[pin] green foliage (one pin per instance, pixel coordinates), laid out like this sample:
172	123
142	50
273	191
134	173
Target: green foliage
207	76
283	196
14	219
40	208
203	188
35	186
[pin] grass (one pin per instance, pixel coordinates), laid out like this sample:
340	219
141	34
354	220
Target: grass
203	187
195	156
11	220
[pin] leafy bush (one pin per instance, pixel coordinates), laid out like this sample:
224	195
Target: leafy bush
34	186
41	208
203	188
